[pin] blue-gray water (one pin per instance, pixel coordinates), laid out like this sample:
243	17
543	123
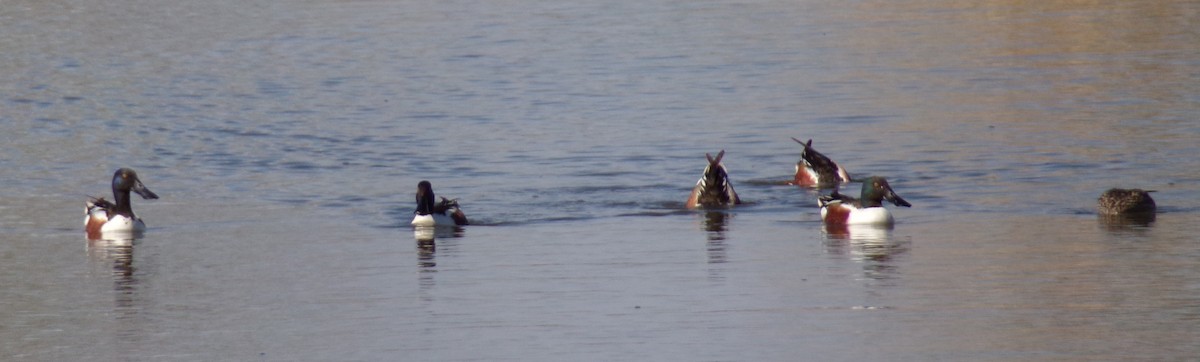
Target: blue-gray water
286	139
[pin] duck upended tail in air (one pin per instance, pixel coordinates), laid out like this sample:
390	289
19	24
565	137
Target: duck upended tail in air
714	188
816	170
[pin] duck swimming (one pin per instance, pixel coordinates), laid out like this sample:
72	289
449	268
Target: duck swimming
1125	202
838	209
430	213
117	216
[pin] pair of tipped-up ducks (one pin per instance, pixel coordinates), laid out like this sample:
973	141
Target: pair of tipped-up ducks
713	190
813	170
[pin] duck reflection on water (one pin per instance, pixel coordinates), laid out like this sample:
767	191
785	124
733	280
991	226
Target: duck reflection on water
115	255
426	237
428	234
119	252
871	244
715	224
1126	222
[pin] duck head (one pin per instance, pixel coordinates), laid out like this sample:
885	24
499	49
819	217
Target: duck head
126	180
876	189
425	198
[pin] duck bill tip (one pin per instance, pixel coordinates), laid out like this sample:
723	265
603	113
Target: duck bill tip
145	192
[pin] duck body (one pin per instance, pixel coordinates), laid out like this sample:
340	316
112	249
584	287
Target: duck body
1126	202
104	217
713	189
98	221
430	213
838	209
816	170
849	213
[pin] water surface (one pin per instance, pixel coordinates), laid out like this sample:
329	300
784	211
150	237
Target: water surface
286	141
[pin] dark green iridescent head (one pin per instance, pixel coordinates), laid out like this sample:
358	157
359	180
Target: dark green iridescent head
876	189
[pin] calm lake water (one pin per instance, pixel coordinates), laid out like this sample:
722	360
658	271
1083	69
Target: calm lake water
286	139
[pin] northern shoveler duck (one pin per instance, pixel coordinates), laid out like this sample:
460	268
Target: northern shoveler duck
713	189
116	217
1125	202
816	170
429	213
840	209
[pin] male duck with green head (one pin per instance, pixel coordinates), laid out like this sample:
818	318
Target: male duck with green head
838	209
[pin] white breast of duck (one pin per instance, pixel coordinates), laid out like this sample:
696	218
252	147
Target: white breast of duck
871	216
97	219
446	213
